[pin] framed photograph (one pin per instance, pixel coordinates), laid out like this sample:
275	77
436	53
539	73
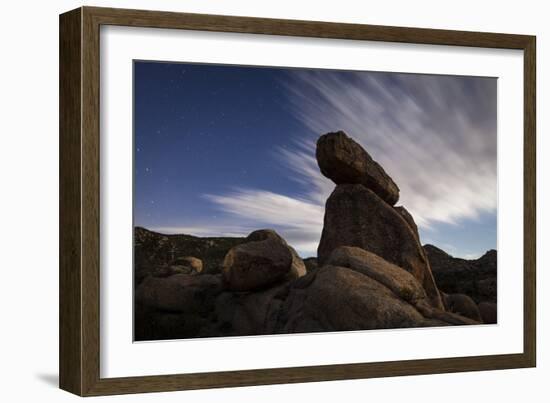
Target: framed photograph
249	201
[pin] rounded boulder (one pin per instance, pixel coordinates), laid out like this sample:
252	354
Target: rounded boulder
257	264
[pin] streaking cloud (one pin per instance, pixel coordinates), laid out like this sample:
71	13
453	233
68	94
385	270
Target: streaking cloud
300	221
435	135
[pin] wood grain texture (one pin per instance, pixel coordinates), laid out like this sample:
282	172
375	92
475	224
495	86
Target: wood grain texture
530	202
70	106
80	201
221	23
90	202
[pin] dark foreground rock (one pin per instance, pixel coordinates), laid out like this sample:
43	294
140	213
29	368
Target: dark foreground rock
337	298
475	278
488	312
369	293
356	216
179	293
344	161
186	306
311	264
462	305
175	307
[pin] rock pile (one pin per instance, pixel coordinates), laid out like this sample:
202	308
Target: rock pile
358	214
370	273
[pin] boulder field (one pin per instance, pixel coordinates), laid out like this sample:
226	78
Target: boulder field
371	271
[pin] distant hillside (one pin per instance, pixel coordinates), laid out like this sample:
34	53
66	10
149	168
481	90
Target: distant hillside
476	278
153	250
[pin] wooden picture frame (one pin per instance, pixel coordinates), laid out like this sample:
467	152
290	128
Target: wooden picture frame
79	346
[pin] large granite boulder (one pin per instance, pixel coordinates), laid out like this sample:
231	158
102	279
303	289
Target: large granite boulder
399	281
369	294
257	264
356	216
298	268
336	298
344	161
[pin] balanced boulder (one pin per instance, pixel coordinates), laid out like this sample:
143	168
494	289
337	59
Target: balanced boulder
356	216
344	161
257	264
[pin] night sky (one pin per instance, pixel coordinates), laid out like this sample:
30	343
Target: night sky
224	150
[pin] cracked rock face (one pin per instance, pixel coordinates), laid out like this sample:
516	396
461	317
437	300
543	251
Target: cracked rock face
356	216
338	299
402	283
